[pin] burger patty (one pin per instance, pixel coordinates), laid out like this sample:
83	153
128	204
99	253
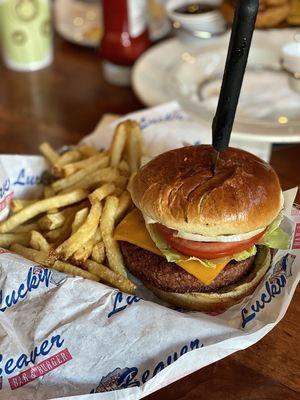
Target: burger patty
168	276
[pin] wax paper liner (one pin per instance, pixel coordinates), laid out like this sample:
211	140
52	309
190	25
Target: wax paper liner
65	336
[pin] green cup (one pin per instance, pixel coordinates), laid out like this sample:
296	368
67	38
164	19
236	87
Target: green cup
26	34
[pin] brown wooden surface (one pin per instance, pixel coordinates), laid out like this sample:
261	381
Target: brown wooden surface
63	103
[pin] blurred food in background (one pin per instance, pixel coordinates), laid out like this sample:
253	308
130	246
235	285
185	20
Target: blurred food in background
294	14
272	13
81	21
123	30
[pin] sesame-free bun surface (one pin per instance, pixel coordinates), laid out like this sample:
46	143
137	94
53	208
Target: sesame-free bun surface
179	190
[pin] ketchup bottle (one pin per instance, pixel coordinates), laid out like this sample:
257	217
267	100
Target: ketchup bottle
125	38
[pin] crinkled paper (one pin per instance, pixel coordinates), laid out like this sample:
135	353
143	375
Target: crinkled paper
62	336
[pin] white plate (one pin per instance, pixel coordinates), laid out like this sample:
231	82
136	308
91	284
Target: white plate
152	67
171	71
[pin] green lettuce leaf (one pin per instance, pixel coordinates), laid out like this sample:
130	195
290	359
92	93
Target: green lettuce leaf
275	237
170	254
243	255
174	256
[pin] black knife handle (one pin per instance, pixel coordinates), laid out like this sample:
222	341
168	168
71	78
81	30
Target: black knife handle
236	61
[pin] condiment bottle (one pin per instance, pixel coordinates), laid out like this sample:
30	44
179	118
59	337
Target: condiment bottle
125	38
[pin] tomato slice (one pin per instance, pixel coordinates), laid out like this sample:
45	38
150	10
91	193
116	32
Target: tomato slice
205	250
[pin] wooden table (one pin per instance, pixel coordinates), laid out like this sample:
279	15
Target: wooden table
63	103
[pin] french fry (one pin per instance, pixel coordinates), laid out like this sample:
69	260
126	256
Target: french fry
121	182
68	157
37	256
73	235
123	167
79	219
112	278
98	235
16	205
53	211
58	235
118	191
86	150
98	253
124	204
38	242
51	221
102	192
49	153
93	180
118	144
71	180
83	234
130	181
6	239
48	192
25	228
107	223
82	254
134	145
41	206
41	257
70	169
72	270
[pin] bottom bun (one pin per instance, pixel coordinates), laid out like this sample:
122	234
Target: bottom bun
220	301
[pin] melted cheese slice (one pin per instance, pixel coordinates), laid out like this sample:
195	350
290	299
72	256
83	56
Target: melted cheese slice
132	229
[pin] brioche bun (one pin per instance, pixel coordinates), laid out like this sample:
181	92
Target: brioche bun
179	190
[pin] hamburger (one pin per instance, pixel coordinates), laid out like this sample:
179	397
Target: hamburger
270	14
201	239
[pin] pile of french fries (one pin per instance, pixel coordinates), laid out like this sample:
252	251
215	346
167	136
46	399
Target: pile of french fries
71	228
